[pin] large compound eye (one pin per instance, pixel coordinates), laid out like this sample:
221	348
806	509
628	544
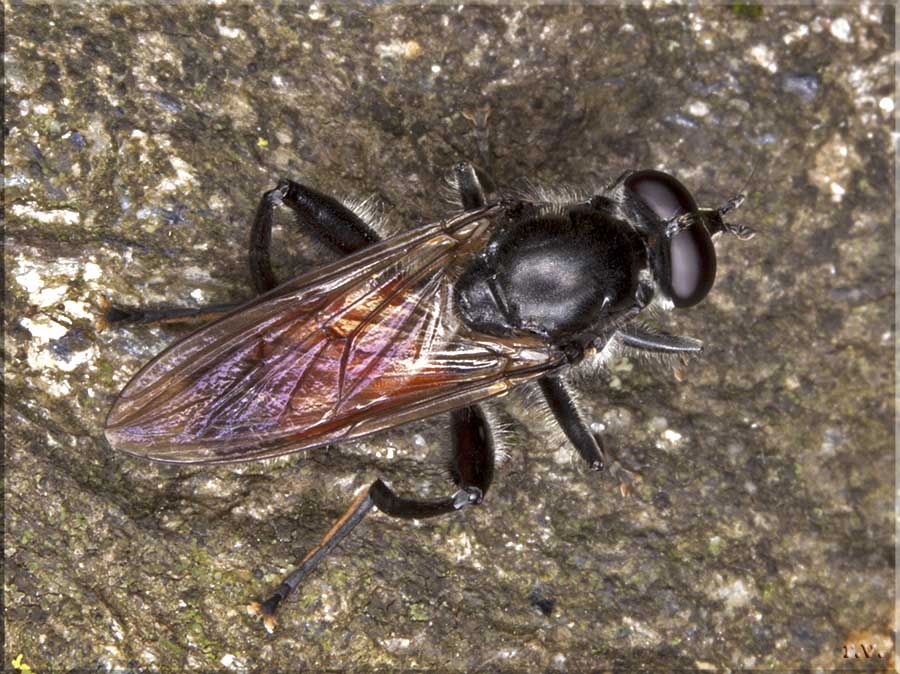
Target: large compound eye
665	196
688	262
692	257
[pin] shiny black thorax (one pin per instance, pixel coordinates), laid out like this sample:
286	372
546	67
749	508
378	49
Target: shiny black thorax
554	274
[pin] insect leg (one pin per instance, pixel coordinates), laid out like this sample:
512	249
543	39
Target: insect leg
378	494
566	413
358	509
261	242
260	271
471	193
480	118
472	461
326	217
115	316
472	468
645	340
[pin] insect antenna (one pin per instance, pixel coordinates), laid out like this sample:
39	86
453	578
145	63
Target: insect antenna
714	218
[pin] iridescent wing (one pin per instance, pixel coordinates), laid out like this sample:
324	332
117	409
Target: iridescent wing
357	346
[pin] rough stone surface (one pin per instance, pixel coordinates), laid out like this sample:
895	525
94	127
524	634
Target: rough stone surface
138	139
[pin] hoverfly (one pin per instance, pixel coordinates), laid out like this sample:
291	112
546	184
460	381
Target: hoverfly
508	290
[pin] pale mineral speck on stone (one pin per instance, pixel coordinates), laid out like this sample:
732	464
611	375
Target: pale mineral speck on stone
43	329
765	57
673	437
659	424
30	279
315	12
698	109
562	456
92	271
831	439
231	662
184	172
406	49
16	180
60	216
840	28
396	644
798	33
344	483
197	274
735	594
76	309
837	192
226	31
460	546
641	633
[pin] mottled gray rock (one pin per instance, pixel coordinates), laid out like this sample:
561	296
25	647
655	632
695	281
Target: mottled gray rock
138	139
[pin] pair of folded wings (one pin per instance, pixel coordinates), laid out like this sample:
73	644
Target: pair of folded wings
360	345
